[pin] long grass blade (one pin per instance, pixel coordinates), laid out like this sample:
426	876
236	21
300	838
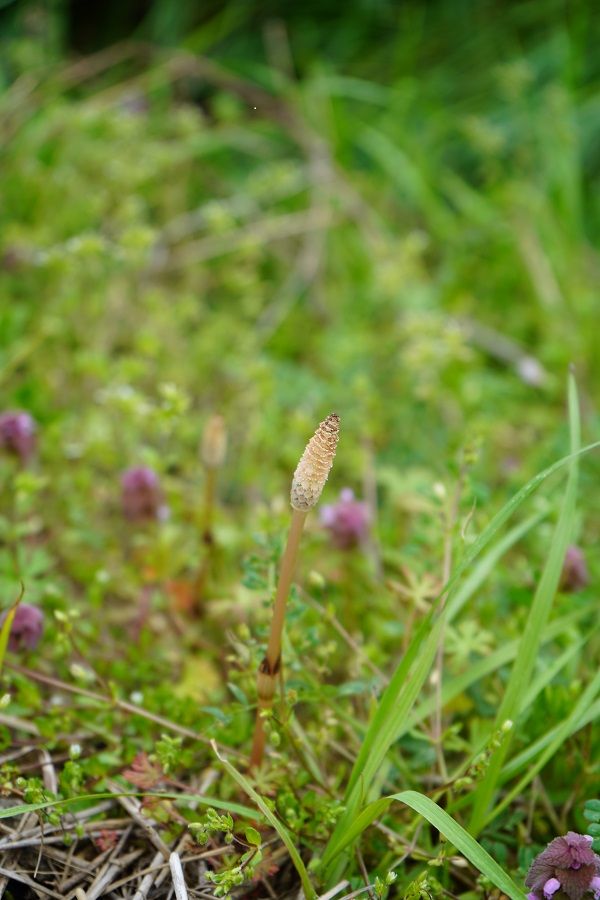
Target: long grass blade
7	625
391	717
524	758
522	670
236	808
561	734
309	891
446	825
479	669
487	564
388	723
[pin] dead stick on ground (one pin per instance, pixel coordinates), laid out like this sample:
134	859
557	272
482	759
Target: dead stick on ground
149	878
132	807
13	858
35	886
98	888
109	868
85	873
177	876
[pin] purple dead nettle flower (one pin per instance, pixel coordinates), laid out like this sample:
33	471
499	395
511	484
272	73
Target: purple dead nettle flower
141	495
568	867
347	520
26	629
574	574
17	434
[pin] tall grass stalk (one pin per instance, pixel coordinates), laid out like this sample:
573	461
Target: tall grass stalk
391	718
445	824
274	821
307	484
527	656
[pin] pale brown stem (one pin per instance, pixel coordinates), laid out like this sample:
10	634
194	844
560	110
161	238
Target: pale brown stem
286	573
271	665
210	484
210	489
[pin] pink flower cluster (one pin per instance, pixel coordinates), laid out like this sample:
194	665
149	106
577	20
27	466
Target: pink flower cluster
26	629
141	495
347	520
568	866
17	434
574	574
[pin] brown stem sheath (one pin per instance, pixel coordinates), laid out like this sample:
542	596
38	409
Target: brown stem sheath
210	484
286	573
271	665
208	537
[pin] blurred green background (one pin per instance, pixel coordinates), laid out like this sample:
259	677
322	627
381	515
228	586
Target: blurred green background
270	212
276	210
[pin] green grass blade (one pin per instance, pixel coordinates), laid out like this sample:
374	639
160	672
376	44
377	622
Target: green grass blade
5	634
236	808
493	527
487	564
446	825
388	723
406	173
547	675
522	670
7	625
478	669
562	733
394	705
309	891
539	684
398	698
524	758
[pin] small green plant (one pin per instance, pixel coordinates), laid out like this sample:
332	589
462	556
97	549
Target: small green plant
381	885
591	811
478	767
168	752
243	867
213	823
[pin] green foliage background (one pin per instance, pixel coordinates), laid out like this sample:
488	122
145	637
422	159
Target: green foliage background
273	211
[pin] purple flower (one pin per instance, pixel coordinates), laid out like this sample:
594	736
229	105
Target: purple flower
567	867
141	495
574	574
27	627
17	434
347	520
